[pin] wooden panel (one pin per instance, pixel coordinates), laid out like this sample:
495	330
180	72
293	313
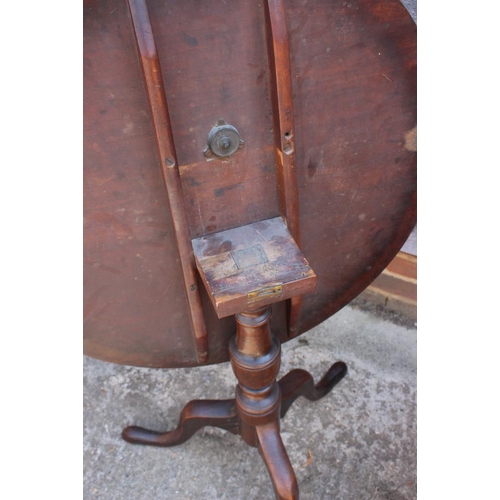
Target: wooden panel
252	266
353	72
130	268
214	63
354	82
284	132
167	158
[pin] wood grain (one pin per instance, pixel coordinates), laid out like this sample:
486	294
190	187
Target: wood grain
167	157
353	81
284	132
251	266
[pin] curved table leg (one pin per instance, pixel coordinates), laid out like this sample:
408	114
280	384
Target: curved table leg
195	415
301	383
272	450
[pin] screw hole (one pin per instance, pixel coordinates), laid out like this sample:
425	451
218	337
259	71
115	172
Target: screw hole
287	135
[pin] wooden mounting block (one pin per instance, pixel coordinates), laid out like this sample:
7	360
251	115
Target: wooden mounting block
252	266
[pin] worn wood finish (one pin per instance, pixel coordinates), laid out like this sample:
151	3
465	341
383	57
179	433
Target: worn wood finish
255	355
353	79
273	452
300	383
214	61
260	402
282	103
367	199
284	131
194	416
168	159
251	266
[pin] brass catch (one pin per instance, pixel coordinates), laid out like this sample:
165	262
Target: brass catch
265	293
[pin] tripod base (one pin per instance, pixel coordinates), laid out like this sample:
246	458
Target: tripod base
266	437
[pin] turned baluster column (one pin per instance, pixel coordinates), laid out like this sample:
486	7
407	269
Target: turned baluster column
255	358
255	355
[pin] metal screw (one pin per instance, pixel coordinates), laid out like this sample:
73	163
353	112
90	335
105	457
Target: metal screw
169	161
225	142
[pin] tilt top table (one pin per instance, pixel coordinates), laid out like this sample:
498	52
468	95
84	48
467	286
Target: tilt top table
250	167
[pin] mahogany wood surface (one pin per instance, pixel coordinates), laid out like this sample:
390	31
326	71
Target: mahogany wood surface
353	85
273	452
278	41
300	383
168	159
194	416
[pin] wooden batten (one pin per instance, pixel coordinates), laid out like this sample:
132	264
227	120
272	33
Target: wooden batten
252	266
282	106
153	79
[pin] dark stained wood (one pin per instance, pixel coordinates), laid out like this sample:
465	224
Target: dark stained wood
273	452
300	383
168	159
353	80
255	355
132	276
355	86
194	416
251	266
284	132
214	62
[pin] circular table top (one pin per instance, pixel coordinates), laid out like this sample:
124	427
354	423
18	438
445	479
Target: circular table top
353	79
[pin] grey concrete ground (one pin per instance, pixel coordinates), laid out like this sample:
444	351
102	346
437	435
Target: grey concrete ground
357	443
411	7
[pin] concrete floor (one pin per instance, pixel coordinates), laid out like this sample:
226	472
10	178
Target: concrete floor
359	442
